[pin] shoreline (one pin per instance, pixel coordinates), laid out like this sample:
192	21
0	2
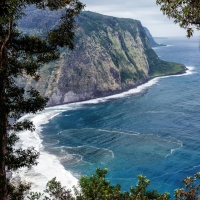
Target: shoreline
109	94
38	175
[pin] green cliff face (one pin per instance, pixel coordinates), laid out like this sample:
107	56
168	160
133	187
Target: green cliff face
151	39
111	54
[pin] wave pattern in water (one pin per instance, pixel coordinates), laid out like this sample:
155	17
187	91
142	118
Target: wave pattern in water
49	165
153	130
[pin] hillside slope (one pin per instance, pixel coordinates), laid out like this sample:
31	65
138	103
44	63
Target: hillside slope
151	39
111	55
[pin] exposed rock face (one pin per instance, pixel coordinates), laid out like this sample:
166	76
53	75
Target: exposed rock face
110	55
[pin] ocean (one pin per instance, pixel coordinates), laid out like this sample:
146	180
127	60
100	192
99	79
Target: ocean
153	130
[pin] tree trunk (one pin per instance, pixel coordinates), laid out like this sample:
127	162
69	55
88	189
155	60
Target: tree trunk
3	126
3	184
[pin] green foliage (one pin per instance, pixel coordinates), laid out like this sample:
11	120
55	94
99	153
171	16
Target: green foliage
56	191
185	13
109	35
94	22
96	187
191	190
151	39
158	67
126	74
16	191
21	55
140	192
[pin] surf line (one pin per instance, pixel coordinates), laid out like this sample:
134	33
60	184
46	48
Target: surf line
137	89
39	175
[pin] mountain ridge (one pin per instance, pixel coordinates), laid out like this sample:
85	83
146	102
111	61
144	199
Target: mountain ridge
151	39
111	55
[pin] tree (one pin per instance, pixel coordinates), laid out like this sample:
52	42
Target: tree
96	187
185	12
190	190
22	54
54	191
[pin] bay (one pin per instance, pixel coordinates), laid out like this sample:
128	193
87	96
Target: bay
153	130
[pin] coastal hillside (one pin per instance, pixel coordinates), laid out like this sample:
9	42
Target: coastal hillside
151	39
111	55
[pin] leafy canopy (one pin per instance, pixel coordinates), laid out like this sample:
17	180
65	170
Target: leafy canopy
185	12
22	55
96	187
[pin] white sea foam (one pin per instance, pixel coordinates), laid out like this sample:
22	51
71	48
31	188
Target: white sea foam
168	45
190	70
138	89
176	172
49	165
120	132
54	115
108	150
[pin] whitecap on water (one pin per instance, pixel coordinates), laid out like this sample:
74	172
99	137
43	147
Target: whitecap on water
134	142
49	165
95	145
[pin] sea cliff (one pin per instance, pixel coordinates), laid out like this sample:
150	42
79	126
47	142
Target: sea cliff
110	55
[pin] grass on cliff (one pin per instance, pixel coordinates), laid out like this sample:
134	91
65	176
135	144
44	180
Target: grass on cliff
164	68
158	67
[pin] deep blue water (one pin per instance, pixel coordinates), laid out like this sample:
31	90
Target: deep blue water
155	133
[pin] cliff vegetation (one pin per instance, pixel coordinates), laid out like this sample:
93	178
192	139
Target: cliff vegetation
111	55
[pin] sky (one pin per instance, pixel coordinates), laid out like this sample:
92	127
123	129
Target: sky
144	10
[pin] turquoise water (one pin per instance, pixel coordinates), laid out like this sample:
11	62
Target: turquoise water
155	132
